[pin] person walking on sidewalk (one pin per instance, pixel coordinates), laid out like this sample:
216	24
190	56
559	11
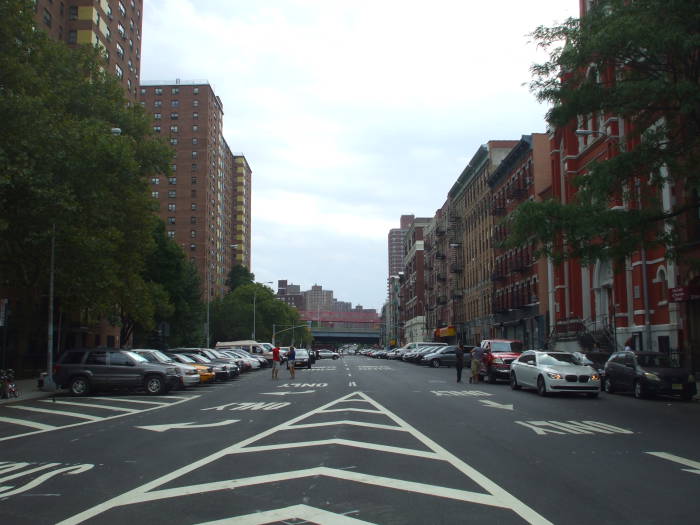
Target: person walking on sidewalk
275	362
291	356
477	356
459	363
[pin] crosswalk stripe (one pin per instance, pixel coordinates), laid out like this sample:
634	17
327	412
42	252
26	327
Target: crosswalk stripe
60	412
91	405
24	423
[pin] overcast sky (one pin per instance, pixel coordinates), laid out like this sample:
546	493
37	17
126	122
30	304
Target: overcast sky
351	113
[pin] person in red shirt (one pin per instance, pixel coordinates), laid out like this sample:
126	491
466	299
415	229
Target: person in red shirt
275	362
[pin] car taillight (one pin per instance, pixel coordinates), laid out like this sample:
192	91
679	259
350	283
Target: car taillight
56	368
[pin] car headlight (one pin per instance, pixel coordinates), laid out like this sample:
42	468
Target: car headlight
651	376
595	377
172	371
555	375
497	361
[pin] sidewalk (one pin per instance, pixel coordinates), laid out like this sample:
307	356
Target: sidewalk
28	389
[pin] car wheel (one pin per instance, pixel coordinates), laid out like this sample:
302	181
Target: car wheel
79	386
308	365
639	392
541	386
514	382
335	357
435	363
609	387
154	385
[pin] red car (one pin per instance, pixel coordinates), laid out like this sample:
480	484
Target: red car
498	355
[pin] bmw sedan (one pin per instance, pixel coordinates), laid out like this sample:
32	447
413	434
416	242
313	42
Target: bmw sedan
553	372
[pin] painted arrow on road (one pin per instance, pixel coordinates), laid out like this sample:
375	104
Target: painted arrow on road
677	459
493	404
287	393
163	428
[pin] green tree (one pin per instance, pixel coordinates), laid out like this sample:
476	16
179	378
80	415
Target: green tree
238	276
649	51
62	170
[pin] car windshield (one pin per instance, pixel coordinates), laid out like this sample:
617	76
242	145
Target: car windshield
185	359
136	357
506	346
162	357
656	361
301	353
200	358
557	359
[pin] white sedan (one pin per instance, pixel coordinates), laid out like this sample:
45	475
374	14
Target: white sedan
553	372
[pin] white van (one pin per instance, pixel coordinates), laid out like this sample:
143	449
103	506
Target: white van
263	349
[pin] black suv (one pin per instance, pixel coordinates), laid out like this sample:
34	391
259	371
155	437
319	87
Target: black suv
648	373
83	371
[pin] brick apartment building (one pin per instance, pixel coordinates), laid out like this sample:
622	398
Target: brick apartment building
113	25
205	200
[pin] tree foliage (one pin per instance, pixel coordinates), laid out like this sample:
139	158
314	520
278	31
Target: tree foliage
639	62
232	316
61	166
238	276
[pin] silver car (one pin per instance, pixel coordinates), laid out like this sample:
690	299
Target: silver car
187	374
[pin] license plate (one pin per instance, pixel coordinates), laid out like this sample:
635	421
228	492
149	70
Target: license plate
677	386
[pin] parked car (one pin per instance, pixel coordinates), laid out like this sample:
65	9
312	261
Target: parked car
221	371
415	355
595	360
302	358
250	346
445	356
206	373
248	361
498	355
85	371
232	365
553	372
648	373
327	354
187	374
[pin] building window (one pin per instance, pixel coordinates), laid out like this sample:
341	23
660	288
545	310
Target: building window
156	129
195	140
121	30
195	115
172	194
193	247
173	141
118	71
159	91
193	234
173	167
73	12
171	220
72	36
171	235
174	129
171	207
174	116
195	128
195	91
195	103
194	205
175	103
120	51
193	220
172	180
194	154
154	194
157	103
194	180
47	17
157	116
175	91
155	180
194	168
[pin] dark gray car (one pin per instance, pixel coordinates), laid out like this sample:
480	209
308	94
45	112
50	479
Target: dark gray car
84	371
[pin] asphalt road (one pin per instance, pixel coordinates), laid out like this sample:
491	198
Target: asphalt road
351	441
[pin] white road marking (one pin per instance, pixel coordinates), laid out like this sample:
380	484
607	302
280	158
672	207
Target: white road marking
127	400
24	423
251	406
572	427
287	393
493	404
92	405
59	412
158	406
460	393
188	425
303	385
302	513
695	465
151	491
352	383
7	491
350	410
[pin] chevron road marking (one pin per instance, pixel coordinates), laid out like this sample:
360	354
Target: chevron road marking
24	423
303	513
91	405
695	465
493	494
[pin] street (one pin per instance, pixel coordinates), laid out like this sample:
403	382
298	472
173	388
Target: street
354	440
